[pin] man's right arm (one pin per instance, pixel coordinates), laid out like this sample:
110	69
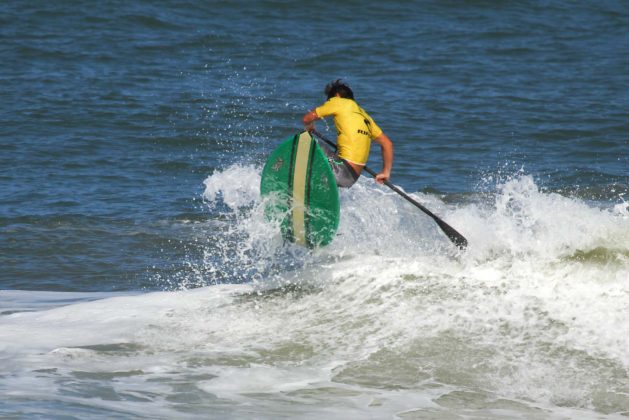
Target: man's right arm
387	157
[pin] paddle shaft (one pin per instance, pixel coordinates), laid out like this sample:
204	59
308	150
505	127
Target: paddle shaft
458	239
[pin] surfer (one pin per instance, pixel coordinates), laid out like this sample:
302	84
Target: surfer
355	129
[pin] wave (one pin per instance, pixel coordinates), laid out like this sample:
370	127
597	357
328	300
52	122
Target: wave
518	219
390	319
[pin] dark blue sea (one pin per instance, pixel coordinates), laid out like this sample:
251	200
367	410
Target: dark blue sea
139	277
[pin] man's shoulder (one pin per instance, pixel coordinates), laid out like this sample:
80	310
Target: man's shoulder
337	105
345	103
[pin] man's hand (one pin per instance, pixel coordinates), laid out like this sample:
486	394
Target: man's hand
309	120
382	177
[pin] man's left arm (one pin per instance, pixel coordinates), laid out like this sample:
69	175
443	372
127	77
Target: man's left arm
309	119
387	157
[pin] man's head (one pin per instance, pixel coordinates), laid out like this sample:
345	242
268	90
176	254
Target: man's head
340	88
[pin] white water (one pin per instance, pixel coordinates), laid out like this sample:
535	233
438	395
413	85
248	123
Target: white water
531	322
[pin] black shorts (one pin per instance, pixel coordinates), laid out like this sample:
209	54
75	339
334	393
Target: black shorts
343	172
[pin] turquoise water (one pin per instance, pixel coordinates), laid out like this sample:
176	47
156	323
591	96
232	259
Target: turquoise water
139	279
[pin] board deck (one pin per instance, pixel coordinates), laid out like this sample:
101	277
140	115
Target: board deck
301	192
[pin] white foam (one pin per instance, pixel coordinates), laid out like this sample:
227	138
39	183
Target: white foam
389	318
237	186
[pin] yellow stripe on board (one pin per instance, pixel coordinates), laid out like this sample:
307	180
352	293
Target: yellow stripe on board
299	187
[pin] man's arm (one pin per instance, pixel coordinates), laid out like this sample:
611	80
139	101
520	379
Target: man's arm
387	157
308	120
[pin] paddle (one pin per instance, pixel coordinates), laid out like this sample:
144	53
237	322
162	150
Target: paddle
456	238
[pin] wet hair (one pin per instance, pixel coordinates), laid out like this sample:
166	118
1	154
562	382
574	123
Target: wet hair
332	88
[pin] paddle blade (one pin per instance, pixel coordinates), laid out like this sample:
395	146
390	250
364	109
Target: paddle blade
456	238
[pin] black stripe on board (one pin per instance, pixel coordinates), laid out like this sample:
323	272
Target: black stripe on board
289	230
291	168
313	146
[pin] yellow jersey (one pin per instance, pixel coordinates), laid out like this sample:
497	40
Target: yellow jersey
355	128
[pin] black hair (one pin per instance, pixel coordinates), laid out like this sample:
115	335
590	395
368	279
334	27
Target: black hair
332	88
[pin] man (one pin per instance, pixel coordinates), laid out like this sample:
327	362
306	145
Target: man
355	129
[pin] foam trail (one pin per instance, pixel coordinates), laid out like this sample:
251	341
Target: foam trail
26	301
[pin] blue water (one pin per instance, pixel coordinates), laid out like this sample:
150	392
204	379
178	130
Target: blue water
509	119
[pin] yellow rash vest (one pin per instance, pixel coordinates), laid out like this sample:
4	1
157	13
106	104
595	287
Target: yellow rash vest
354	126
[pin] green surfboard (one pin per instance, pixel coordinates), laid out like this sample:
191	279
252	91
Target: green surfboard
300	191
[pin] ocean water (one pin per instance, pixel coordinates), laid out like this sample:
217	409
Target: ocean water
139	278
